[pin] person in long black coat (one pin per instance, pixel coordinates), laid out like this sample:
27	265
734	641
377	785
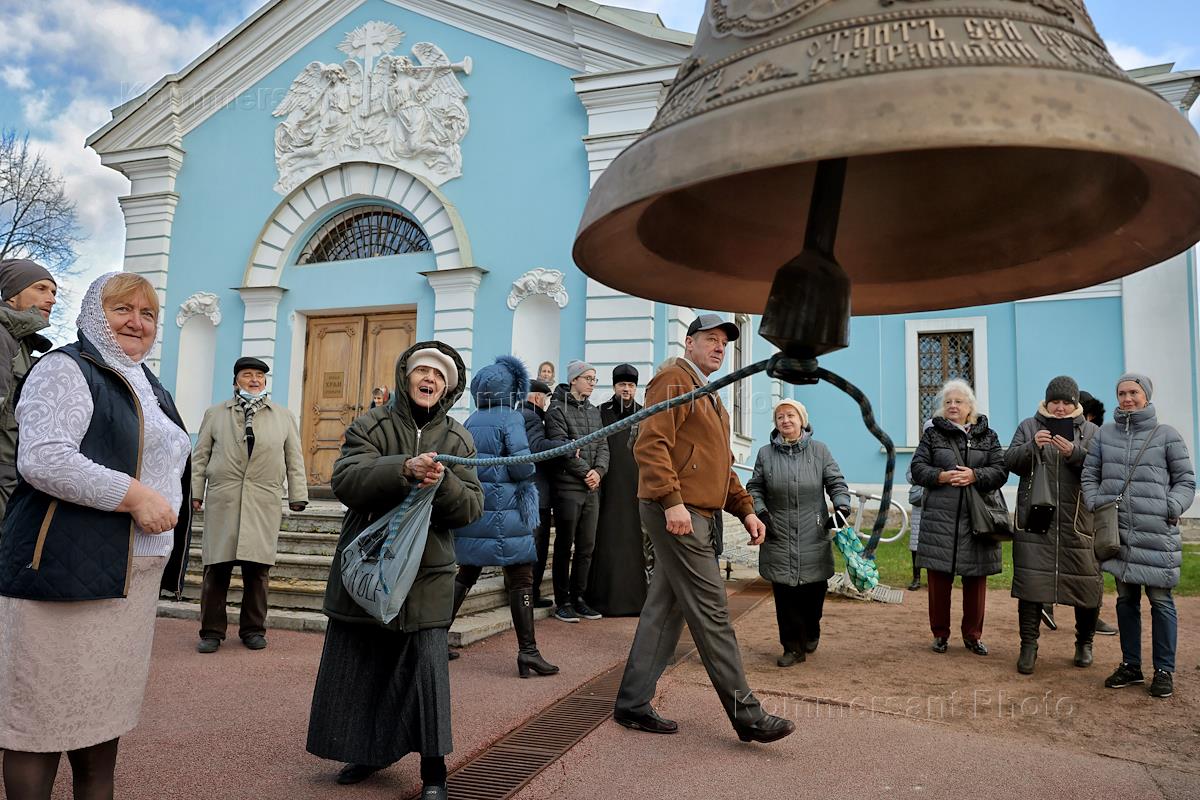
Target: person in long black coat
534	412
947	547
617	585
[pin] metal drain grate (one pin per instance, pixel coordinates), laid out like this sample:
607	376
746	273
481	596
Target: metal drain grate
504	768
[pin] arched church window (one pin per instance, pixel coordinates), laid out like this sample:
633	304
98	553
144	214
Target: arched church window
365	232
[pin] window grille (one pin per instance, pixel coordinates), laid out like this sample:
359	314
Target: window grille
365	232
941	357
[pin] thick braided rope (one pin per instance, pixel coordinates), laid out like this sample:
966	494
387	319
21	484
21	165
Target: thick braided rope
772	365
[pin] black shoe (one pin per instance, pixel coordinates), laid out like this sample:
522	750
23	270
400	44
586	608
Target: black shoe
940	644
975	646
1163	684
433	793
208	645
1124	675
768	729
355	773
565	613
586	611
1104	629
810	645
452	654
1048	617
650	722
255	641
789	658
1028	658
542	602
915	585
1083	654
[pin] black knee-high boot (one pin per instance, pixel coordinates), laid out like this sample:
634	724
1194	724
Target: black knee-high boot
1029	616
916	579
1085	632
460	594
520	602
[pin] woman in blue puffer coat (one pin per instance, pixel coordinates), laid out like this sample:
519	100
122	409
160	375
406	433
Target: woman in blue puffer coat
503	536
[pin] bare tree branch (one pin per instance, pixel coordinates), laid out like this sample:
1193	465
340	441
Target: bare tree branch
37	219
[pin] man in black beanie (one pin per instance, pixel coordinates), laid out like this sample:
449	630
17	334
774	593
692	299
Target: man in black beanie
29	292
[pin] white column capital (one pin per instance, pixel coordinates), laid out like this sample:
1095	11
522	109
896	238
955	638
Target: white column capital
149	169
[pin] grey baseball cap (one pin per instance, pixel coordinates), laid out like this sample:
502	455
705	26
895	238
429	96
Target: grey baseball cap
708	322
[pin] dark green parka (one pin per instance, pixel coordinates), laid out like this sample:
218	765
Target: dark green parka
1058	566
368	478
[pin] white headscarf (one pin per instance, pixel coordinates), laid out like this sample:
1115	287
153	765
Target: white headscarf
94	326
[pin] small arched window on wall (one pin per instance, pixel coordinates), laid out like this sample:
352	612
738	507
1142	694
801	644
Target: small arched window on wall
537	299
198	317
365	232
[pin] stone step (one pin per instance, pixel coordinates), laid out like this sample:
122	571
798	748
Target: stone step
476	627
308	595
296	543
291	566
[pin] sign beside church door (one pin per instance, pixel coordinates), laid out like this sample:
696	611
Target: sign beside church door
332	390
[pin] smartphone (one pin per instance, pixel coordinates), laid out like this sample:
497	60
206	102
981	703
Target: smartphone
1061	427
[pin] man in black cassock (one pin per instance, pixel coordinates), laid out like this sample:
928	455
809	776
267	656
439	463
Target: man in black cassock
617	584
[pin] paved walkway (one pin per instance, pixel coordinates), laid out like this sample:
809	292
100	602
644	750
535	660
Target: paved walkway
232	725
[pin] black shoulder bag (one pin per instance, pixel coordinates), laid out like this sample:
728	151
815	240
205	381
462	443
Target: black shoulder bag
990	520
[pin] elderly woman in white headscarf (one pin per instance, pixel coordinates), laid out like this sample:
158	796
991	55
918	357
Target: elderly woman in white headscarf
97	525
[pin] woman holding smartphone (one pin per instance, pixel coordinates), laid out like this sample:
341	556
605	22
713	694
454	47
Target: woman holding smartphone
1054	565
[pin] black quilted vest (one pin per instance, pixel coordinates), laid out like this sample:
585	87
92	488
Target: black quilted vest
54	550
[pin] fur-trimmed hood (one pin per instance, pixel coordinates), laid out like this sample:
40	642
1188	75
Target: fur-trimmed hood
503	383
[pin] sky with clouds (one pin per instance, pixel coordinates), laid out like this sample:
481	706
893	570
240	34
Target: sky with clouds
67	63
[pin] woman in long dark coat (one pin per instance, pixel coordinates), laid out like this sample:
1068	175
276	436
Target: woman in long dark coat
617	585
1058	566
947	547
383	691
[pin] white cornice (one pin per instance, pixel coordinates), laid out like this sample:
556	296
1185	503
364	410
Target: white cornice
179	102
574	33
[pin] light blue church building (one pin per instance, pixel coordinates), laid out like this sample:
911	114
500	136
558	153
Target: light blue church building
336	179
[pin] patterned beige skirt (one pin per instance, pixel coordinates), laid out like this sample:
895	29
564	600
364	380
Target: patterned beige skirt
72	674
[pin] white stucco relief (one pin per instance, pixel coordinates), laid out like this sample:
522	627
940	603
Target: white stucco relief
539	281
201	304
374	107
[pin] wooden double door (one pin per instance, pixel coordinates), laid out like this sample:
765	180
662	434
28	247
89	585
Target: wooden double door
345	358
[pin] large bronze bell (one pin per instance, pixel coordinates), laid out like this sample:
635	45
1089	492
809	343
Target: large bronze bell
978	151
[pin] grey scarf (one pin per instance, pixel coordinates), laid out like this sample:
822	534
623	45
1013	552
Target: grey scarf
250	408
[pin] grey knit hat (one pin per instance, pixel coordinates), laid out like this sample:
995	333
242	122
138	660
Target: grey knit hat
1141	380
18	274
1063	388
576	368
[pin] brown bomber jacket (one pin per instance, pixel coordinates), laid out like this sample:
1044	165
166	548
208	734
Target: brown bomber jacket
683	454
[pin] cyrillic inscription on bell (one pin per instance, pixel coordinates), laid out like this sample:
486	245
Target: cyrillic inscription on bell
996	139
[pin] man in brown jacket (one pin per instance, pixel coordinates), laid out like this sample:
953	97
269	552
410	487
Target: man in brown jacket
685	479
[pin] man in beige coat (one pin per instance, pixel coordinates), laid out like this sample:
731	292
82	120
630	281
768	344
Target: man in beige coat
246	447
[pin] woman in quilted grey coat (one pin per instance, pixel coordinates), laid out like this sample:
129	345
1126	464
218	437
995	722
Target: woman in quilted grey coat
1163	486
947	547
1058	565
791	477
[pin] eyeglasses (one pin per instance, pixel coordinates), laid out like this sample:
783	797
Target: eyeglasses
588	378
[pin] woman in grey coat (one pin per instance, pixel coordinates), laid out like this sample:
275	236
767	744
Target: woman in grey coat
791	477
1059	565
947	547
1163	486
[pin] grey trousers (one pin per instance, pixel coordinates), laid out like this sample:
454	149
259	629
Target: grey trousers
686	587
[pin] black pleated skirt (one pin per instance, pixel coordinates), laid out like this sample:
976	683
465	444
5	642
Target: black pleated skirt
380	695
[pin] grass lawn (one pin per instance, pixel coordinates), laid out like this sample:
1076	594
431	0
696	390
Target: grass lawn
895	567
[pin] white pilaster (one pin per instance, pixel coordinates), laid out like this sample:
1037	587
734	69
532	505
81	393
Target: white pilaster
678	320
1156	319
454	291
260	324
619	330
620	106
149	211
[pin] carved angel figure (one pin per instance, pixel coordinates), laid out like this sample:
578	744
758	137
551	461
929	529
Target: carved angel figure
374	106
